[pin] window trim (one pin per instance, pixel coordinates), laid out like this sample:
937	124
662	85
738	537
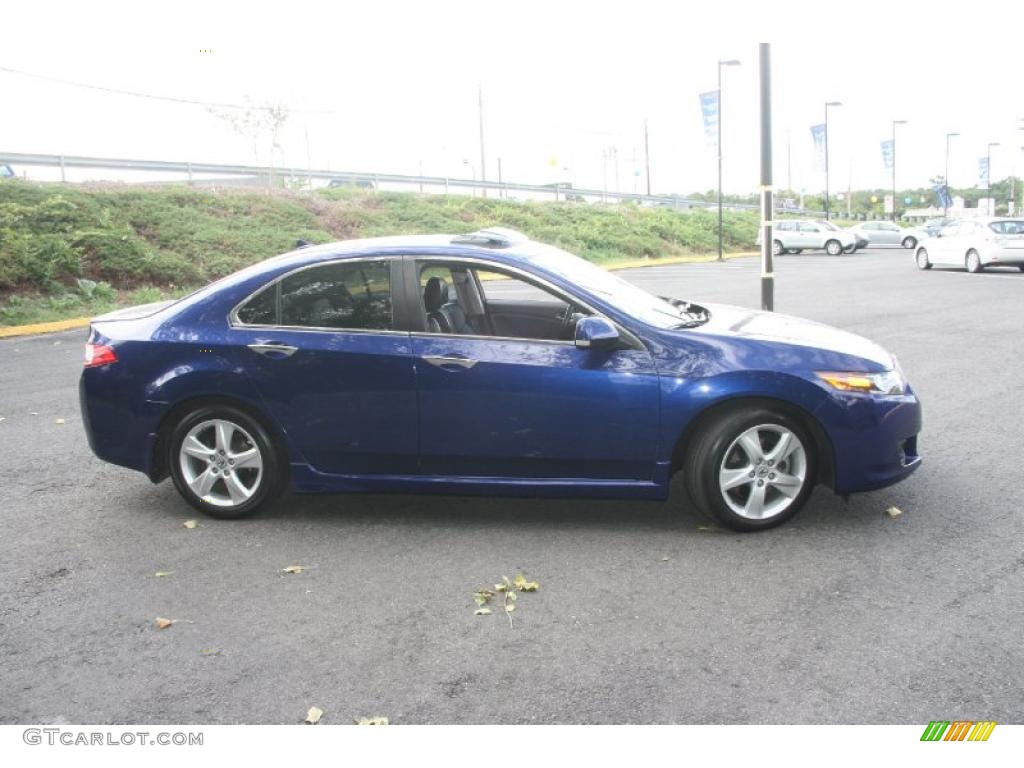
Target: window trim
234	323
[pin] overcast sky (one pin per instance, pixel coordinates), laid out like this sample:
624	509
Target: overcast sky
385	86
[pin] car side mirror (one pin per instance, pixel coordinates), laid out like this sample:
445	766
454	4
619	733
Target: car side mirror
596	333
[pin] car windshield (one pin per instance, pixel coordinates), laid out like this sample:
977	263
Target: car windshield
621	294
830	225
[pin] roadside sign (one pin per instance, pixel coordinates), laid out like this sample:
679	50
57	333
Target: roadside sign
888	150
709	111
6	172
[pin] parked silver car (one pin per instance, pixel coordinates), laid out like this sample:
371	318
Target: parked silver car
796	235
975	244
888	233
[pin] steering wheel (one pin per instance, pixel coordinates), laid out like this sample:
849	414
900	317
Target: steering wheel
565	331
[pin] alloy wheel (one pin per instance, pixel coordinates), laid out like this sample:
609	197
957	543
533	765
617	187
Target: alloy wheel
221	463
763	471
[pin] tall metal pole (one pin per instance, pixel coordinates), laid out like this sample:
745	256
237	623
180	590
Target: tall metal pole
720	233
729	63
828	204
767	201
949	189
647	158
894	124
483	156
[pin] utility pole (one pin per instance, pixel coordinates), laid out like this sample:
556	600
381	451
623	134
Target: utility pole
721	63
483	157
501	186
647	158
767	201
894	124
991	194
828	205
949	189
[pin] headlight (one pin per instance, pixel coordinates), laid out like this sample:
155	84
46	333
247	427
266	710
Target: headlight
885	383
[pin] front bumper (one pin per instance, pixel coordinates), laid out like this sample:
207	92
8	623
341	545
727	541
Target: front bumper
874	439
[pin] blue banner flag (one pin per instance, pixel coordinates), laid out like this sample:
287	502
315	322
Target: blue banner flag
983	173
709	111
818	134
888	152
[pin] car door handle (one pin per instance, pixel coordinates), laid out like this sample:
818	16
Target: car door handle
441	361
274	350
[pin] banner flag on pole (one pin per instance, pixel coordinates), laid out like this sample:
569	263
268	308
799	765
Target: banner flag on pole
818	134
887	153
983	173
709	111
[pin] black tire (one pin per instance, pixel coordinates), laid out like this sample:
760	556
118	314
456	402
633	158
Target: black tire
1021	268
850	248
705	460
833	248
972	262
922	259
797	251
266	485
777	249
909	242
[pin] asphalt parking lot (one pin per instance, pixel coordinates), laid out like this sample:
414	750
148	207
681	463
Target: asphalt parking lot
644	613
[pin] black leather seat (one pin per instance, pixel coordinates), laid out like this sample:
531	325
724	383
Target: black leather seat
444	316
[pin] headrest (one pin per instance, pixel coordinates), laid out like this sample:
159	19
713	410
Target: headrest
435	294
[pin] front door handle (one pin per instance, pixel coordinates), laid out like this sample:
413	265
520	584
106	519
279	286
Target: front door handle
274	350
441	362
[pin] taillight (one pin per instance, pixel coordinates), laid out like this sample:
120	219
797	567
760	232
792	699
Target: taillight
99	354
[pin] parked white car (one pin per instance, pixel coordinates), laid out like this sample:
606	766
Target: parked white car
975	244
888	233
796	235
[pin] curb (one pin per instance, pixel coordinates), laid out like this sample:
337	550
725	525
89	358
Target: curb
33	329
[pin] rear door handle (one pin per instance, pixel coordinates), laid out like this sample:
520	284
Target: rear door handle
274	350
441	361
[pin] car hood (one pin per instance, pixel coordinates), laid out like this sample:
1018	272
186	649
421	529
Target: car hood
739	322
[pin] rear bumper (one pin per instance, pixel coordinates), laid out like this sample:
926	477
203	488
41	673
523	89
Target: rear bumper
995	257
115	432
874	439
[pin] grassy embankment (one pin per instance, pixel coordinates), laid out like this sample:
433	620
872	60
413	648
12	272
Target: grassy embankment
78	251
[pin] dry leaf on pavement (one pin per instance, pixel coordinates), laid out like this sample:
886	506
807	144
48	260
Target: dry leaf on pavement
160	574
190	523
314	715
894	512
293	569
58	421
376	720
482	612
162	623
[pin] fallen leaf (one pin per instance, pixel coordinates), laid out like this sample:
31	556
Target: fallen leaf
894	512
162	623
2	418
58	421
510	607
293	569
33	413
705	528
482	596
482	612
499	587
523	585
57	343
314	715
665	559
190	523
375	720
161	574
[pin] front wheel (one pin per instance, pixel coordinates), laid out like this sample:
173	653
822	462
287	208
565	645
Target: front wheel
833	248
973	262
922	259
850	249
223	462
909	242
751	469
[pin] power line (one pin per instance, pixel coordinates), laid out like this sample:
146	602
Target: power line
140	95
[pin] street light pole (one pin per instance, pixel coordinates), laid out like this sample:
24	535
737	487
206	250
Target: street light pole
721	63
988	169
945	208
764	55
828	203
894	124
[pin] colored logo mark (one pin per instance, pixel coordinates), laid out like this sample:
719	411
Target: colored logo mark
958	730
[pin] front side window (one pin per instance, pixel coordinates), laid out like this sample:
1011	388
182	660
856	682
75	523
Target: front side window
342	295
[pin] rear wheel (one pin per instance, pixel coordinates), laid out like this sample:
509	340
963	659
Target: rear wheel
833	248
909	242
777	249
922	259
973	262
751	469
223	462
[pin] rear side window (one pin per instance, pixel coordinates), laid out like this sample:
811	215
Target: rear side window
346	295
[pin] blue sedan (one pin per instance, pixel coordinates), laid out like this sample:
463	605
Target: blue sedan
487	363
